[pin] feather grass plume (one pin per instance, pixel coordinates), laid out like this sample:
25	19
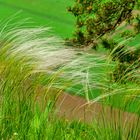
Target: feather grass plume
32	63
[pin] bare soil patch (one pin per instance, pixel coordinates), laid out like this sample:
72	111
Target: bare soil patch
77	108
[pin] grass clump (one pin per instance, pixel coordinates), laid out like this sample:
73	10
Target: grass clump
34	69
26	59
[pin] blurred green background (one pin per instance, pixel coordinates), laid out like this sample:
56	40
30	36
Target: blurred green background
52	13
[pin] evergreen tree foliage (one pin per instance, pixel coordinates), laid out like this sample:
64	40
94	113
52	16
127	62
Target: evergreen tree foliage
94	18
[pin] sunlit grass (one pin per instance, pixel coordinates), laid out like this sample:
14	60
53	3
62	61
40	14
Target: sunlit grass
34	68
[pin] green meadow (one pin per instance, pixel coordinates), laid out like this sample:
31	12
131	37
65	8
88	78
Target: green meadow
41	13
36	66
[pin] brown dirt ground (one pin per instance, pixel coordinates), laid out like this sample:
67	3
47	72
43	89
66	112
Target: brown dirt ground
72	107
77	108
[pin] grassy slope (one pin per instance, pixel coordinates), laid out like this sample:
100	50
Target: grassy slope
51	13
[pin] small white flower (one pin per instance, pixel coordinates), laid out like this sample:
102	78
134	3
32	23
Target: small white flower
15	134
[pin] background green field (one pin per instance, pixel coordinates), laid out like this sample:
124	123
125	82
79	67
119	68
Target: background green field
52	13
